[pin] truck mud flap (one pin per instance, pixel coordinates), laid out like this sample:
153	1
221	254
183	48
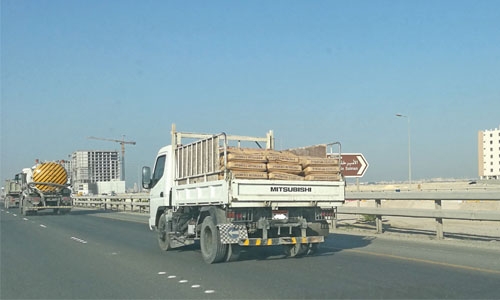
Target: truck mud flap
281	241
232	233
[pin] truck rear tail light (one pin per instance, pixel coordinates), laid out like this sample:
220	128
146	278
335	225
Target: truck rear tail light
239	215
324	214
35	200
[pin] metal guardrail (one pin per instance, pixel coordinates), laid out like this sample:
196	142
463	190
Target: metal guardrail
130	202
140	202
434	195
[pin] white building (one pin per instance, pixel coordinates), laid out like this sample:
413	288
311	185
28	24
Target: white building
489	154
92	167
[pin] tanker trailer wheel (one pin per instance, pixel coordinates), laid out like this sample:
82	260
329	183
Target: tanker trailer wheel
64	211
164	227
61	211
212	249
296	250
22	208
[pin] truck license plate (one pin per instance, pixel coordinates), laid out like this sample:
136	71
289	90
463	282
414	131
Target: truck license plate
280	215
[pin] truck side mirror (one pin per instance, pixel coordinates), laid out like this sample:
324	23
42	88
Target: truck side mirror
146	177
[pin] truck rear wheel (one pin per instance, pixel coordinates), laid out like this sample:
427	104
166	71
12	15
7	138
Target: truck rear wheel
296	250
233	252
164	227
212	249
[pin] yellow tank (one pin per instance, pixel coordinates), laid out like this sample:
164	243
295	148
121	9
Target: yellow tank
49	172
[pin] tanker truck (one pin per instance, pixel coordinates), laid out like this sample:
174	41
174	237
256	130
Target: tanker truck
229	194
12	192
44	186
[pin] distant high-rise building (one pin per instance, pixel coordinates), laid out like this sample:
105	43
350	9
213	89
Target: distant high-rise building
489	154
91	167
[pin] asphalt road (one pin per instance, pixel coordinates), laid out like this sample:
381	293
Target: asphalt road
93	255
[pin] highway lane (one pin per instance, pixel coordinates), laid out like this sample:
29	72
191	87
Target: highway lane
85	256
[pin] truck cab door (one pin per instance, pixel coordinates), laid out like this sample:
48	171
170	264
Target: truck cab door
160	186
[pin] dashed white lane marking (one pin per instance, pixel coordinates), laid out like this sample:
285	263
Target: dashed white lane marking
25	219
182	281
43	226
79	240
14	215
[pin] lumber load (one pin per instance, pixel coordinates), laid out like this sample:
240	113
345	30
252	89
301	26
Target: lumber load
284	176
321	169
247	163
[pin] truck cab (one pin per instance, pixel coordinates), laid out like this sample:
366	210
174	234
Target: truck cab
159	184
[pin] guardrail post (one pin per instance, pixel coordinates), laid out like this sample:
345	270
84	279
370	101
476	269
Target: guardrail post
378	218
439	221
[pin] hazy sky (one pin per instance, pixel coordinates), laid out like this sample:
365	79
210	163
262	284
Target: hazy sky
312	71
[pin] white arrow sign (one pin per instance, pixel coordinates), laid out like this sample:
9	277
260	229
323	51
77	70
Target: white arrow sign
353	165
363	165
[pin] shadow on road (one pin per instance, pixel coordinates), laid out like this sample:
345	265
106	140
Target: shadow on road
84	212
333	243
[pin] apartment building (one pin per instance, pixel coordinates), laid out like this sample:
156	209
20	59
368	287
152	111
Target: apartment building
91	168
489	154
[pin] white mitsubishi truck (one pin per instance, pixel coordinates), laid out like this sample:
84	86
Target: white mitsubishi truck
231	191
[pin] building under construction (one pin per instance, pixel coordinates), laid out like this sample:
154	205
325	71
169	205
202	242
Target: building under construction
96	172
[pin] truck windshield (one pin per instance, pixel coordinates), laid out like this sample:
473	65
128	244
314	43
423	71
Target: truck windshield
159	168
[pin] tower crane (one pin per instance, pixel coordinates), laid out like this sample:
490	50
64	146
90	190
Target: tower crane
122	143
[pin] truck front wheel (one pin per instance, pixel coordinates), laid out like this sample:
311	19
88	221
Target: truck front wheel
164	227
212	249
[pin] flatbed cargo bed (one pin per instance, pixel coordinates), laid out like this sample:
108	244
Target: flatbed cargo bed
260	193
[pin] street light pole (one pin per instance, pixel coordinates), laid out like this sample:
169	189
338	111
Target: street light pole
409	146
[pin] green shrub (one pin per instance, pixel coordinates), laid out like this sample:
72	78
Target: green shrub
369	218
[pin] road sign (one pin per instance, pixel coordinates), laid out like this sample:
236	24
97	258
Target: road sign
353	165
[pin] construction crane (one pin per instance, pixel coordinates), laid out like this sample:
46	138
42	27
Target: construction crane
122	143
